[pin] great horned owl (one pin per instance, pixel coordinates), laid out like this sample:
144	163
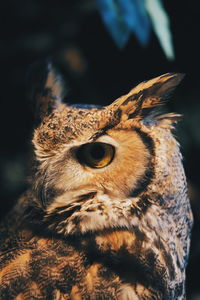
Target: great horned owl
106	215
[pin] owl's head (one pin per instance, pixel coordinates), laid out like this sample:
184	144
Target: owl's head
103	167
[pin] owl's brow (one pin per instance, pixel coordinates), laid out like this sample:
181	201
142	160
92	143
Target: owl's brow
102	131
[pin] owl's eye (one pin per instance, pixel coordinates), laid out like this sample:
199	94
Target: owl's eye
96	155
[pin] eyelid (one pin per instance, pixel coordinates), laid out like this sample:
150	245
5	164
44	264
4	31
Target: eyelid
106	139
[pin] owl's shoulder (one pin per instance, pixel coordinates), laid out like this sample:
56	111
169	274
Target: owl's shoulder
35	264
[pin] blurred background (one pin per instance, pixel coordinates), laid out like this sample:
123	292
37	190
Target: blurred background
102	48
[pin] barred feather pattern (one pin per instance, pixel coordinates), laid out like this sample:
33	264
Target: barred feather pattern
118	232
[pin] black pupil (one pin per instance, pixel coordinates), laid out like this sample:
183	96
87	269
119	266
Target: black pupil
97	152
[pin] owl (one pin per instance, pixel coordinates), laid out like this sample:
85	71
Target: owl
106	214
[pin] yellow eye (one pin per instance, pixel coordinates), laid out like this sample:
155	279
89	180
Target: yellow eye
96	155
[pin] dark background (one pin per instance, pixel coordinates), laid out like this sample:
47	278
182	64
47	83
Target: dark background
96	71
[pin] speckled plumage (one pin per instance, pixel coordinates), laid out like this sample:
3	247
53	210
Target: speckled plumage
118	232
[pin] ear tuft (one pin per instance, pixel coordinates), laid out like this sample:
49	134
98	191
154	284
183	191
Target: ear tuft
55	84
168	120
159	89
147	95
46	89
